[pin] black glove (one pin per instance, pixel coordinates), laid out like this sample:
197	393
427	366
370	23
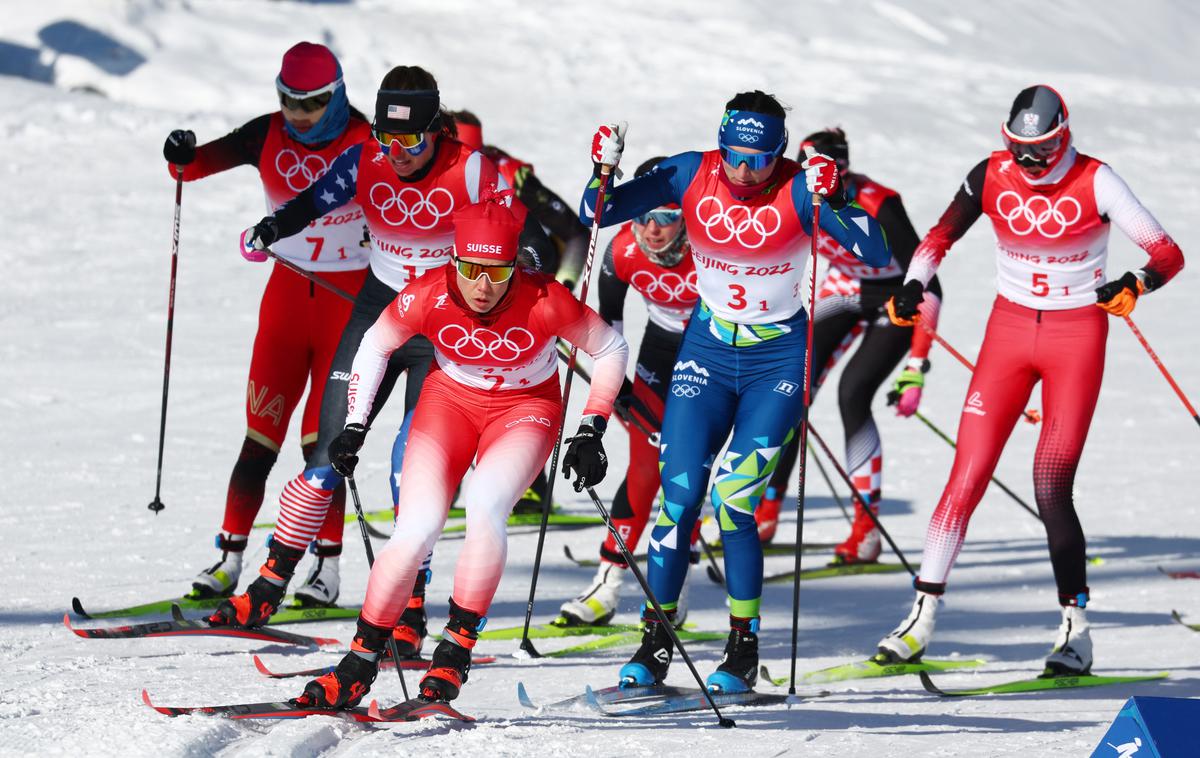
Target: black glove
585	454
261	236
180	147
343	451
902	308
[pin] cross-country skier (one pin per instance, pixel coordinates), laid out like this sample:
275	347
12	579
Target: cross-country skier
493	397
748	212
652	255
408	181
566	244
1050	207
850	302
299	323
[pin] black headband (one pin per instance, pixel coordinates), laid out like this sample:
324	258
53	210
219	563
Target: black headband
407	111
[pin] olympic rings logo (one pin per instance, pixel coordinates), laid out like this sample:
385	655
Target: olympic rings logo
300	173
409	206
685	390
750	228
1037	213
665	288
478	343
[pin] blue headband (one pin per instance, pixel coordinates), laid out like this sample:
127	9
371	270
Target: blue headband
753	130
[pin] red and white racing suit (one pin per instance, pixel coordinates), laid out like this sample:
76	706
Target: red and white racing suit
492	396
1051	251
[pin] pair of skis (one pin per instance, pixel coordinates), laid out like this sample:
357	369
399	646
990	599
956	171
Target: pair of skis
655	700
409	710
180	626
291	612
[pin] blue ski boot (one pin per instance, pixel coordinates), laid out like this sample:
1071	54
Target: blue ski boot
738	671
649	664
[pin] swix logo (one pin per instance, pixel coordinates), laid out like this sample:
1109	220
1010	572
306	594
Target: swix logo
409	206
786	388
340	376
441	301
667	287
299	172
646	375
750	228
975	405
1037	213
529	419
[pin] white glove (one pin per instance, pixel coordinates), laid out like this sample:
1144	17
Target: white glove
820	173
607	144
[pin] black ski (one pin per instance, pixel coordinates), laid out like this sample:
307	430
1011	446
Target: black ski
181	626
409	710
693	699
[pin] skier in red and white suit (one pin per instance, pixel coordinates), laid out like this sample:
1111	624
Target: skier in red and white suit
652	255
1050	207
299	323
493	397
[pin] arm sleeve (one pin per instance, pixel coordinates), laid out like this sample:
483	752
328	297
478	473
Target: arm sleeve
241	147
612	292
665	184
1115	200
391	330
583	327
850	225
922	339
333	190
962	212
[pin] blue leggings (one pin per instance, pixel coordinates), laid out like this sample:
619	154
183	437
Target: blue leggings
753	386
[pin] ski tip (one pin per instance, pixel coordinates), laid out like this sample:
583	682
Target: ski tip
928	684
77	606
523	697
714	577
373	710
67	624
177	612
262	667
327	642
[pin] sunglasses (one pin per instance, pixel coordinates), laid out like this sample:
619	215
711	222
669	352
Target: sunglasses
755	161
310	104
660	216
496	273
414	144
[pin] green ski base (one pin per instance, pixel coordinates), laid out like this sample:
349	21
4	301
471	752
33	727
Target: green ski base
869	669
557	629
1039	684
624	639
828	572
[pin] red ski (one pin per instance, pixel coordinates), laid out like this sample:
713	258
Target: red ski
181	626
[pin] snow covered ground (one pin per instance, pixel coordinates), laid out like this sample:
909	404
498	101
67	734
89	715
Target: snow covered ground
920	88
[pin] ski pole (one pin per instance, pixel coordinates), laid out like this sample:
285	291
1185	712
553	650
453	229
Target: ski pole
801	472
310	276
859	499
1166	374
362	525
526	643
658	609
995	481
1031	415
156	504
829	483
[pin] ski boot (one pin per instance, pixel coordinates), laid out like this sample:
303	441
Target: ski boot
649	664
261	599
221	578
766	515
738	671
864	543
1072	653
346	685
321	588
907	642
409	634
452	657
598	603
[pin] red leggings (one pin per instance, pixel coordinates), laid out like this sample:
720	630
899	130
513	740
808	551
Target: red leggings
509	434
1065	350
299	325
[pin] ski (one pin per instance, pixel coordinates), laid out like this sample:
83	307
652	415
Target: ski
291	612
868	669
1180	574
829	572
180	626
717	550
1037	684
407	664
621	639
590	698
692	699
560	628
1179	619
410	710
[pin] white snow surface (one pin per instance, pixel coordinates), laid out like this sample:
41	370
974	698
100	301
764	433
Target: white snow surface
921	89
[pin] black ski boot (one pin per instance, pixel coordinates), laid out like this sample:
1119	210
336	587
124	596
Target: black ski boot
452	658
409	634
261	599
649	664
346	685
738	671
